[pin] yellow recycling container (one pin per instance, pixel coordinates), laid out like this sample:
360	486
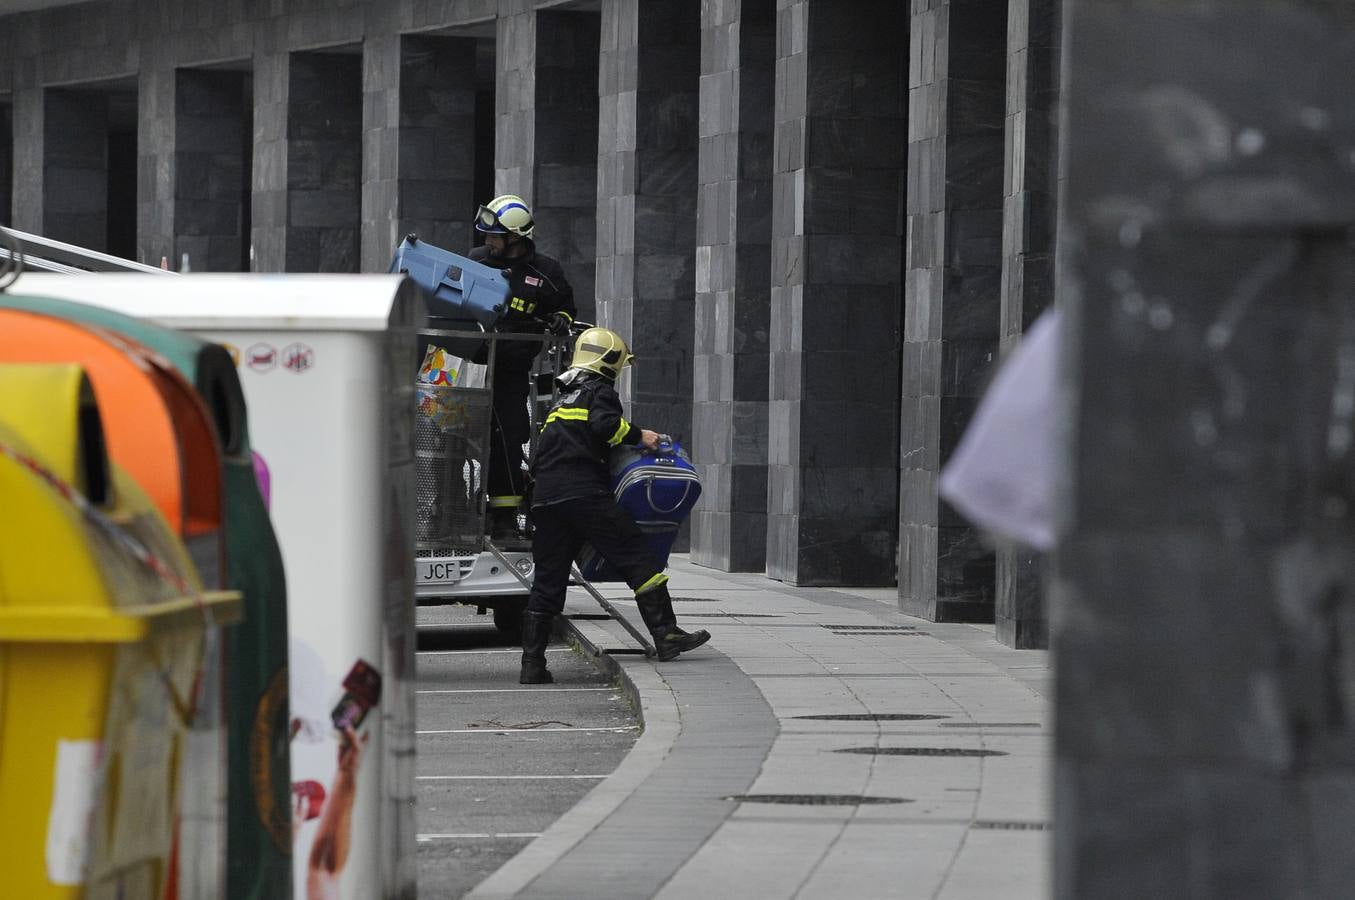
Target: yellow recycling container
109	688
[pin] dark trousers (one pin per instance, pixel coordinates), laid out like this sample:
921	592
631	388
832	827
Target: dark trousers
561	531
508	431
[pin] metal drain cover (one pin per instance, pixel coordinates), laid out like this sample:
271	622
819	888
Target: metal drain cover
816	799
1012	826
727	615
869	627
920	751
870	717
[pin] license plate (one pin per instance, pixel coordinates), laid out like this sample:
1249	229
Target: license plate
439	571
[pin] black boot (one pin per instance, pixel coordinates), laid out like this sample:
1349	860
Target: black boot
536	629
656	608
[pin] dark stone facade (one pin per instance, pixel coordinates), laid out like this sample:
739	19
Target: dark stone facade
957	106
1030	190
6	163
838	179
211	188
565	146
646	216
1203	602
811	271
733	283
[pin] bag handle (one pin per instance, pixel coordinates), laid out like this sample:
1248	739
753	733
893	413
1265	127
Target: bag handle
649	495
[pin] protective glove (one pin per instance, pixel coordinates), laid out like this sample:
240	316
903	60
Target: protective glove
558	324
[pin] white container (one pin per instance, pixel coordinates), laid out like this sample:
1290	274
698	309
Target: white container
327	363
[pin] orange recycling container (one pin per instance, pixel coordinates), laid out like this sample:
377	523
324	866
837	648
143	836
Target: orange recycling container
158	429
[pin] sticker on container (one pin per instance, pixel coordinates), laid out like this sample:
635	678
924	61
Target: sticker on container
68	823
261	357
297	358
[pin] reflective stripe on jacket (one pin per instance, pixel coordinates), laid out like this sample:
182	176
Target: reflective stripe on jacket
572	454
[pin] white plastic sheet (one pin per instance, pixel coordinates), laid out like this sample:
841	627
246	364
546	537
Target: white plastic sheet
1002	475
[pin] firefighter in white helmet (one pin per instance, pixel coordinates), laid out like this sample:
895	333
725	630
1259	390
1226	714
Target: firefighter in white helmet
572	504
542	300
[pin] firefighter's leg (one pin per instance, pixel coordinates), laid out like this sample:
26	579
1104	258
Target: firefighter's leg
554	546
507	435
615	535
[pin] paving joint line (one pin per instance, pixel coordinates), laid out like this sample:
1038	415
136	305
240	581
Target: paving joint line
656	709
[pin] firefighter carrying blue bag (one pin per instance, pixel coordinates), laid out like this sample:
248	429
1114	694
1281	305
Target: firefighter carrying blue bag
572	504
658	488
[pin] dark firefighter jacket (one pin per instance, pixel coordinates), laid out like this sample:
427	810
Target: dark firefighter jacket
583	426
539	289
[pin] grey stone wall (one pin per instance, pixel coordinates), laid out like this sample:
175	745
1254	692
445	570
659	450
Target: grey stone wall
565	147
6	163
1030	190
75	167
515	101
840	148
268	221
647	159
436	154
210	121
1203	610
733	283
957	103
324	162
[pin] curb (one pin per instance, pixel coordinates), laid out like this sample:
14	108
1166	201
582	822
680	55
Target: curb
660	723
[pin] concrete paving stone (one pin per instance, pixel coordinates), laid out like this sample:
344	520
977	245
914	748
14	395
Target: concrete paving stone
728	716
753	860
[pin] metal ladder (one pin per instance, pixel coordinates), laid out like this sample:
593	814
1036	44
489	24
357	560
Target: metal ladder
577	580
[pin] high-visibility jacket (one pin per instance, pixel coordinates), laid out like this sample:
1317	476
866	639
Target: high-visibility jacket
572	454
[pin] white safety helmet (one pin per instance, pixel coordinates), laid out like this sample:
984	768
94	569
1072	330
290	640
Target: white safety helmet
505	214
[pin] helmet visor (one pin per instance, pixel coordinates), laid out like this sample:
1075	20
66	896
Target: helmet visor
487	220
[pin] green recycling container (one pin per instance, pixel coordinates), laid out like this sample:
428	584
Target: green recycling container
259	813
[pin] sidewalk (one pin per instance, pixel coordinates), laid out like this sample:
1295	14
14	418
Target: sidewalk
956	807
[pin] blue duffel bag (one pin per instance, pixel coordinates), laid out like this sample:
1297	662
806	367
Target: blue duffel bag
658	488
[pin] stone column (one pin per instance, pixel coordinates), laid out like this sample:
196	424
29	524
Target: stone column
75	167
324	162
1205	600
565	147
268	219
1028	213
647	154
383	110
6	164
211	134
29	181
515	100
957	105
733	287
840	144
436	183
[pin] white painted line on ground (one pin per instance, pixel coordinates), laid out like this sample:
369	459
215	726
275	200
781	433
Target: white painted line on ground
469	652
504	777
534	690
493	730
477	834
